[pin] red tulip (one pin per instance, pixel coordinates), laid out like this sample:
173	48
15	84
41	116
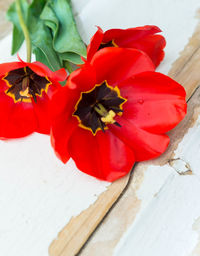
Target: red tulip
114	111
144	38
25	89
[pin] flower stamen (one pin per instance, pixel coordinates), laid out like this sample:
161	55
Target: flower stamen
108	119
24	84
98	107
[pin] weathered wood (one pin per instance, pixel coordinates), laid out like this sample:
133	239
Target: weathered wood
78	230
186	71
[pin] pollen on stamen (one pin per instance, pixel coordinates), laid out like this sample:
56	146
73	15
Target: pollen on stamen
25	85
25	93
109	119
98	108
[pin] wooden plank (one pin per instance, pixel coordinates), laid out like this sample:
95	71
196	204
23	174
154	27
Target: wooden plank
186	71
78	230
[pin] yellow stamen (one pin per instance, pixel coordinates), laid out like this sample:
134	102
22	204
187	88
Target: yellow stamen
25	93
109	118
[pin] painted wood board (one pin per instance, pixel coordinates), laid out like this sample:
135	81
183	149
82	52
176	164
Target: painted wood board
47	217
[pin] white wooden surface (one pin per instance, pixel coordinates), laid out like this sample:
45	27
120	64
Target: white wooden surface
168	221
39	195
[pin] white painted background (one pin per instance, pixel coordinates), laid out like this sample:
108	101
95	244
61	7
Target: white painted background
39	195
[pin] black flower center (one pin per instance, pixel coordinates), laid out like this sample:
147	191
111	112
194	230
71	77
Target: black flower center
25	84
98	107
108	44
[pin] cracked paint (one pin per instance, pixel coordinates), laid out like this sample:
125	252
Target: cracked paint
180	166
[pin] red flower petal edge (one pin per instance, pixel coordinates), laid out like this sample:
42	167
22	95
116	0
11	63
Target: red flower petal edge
114	111
25	92
143	38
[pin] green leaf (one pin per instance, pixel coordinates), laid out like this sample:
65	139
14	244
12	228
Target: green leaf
54	36
71	57
58	16
18	36
41	37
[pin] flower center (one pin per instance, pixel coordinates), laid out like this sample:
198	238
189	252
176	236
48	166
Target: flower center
24	84
98	107
108	44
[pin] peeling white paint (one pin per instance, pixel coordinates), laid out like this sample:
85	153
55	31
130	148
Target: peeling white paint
38	195
165	226
189	148
180	166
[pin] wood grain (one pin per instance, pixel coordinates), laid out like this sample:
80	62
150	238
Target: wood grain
186	71
79	228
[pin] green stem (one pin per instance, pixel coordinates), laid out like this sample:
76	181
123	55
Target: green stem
24	29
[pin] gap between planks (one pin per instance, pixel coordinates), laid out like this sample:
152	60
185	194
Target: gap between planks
76	233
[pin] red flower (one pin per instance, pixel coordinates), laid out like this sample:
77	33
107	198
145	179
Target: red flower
25	89
114	111
142	38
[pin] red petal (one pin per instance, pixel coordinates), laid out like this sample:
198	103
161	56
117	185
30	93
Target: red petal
83	79
117	64
141	38
42	70
63	102
60	75
152	45
16	119
144	144
63	124
103	156
129	34
42	113
60	134
6	67
155	102
94	43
